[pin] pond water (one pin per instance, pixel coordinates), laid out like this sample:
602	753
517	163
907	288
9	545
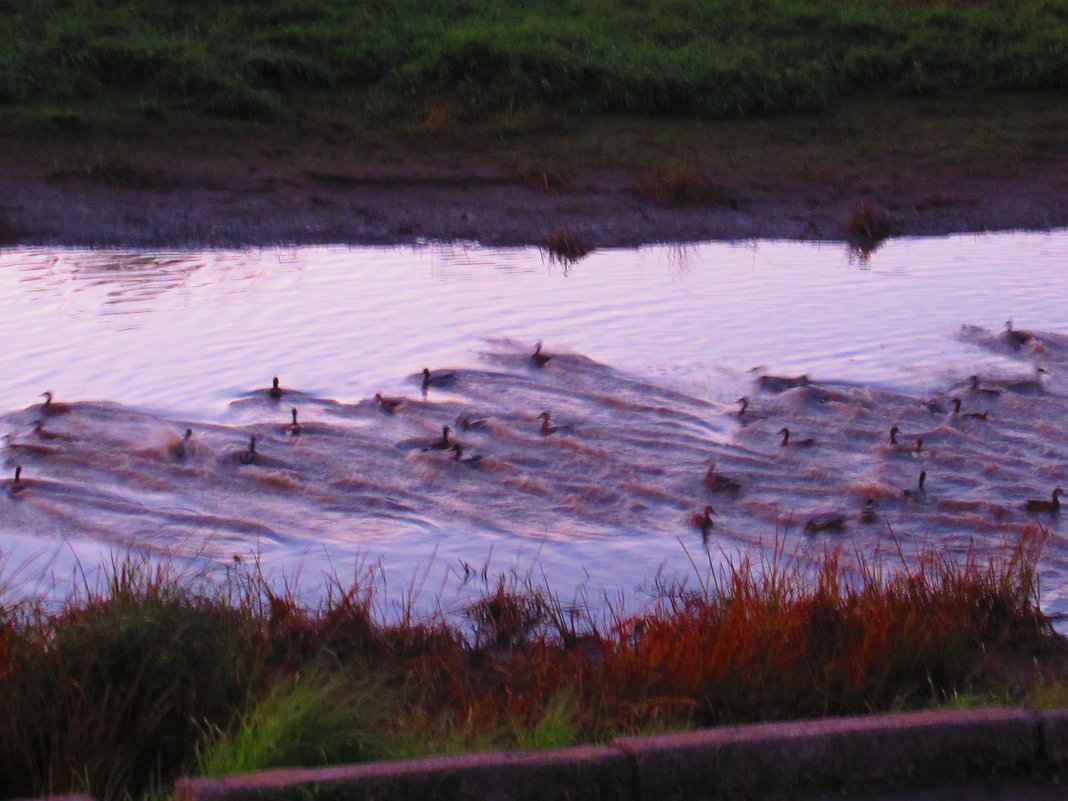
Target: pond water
650	351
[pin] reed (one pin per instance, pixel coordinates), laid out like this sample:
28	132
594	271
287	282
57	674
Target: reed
161	672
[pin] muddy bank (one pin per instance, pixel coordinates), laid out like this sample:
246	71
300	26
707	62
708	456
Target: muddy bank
614	183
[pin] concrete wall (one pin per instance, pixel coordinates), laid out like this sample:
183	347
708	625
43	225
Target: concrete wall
734	762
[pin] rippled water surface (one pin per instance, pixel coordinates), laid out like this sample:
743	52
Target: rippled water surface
650	351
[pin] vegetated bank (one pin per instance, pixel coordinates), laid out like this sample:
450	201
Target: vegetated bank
713	59
159	673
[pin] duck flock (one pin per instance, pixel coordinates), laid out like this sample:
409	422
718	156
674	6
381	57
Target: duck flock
555	448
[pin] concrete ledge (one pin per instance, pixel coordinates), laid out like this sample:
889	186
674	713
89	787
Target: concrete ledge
885	750
734	762
584	773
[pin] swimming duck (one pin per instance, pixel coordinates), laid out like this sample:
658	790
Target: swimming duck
867	514
919	495
968	415
717	482
778	383
249	456
16	485
441	444
294	428
703	521
1016	337
797	443
828	521
275	392
546	428
893	434
539	359
388	405
50	407
1052	506
918	452
1025	385
181	450
974	386
439	380
39	430
458	456
469	423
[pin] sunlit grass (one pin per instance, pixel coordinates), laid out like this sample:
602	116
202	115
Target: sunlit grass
161	672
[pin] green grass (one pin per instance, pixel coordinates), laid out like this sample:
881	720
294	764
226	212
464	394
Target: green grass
161	673
713	58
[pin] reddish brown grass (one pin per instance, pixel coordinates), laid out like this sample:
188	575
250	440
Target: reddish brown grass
112	693
684	186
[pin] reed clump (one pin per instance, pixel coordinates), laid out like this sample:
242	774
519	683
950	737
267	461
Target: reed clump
160	673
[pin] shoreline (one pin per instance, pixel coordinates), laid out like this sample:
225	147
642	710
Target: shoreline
855	176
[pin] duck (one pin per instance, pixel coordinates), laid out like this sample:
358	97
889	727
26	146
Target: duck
919	495
181	450
388	405
442	379
797	443
249	456
1025	385
717	482
745	414
548	428
1016	337
441	444
893	434
867	514
51	407
703	521
275	392
1052	506
974	386
39	430
16	485
779	383
293	429
828	521
968	415
468	423
918	452
539	359
470	461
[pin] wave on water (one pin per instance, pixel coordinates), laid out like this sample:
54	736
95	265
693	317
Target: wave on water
473	457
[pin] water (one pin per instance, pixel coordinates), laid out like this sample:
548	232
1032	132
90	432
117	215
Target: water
651	349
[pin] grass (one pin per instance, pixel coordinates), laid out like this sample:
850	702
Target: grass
160	673
455	59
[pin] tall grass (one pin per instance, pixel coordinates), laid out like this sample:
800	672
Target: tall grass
715	58
160	672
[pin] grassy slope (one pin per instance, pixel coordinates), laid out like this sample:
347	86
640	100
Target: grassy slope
708	58
126	687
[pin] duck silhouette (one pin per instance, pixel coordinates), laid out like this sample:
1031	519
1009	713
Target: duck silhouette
919	495
441	444
439	379
828	521
16	485
51	407
458	456
781	383
975	386
294	429
275	392
703	521
539	359
468	423
968	415
796	443
181	450
249	456
388	405
1052	506
1016	337
39	431
718	482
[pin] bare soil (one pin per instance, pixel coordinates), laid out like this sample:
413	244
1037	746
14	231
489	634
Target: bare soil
874	169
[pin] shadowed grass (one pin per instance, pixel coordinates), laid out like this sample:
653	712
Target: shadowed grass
159	671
